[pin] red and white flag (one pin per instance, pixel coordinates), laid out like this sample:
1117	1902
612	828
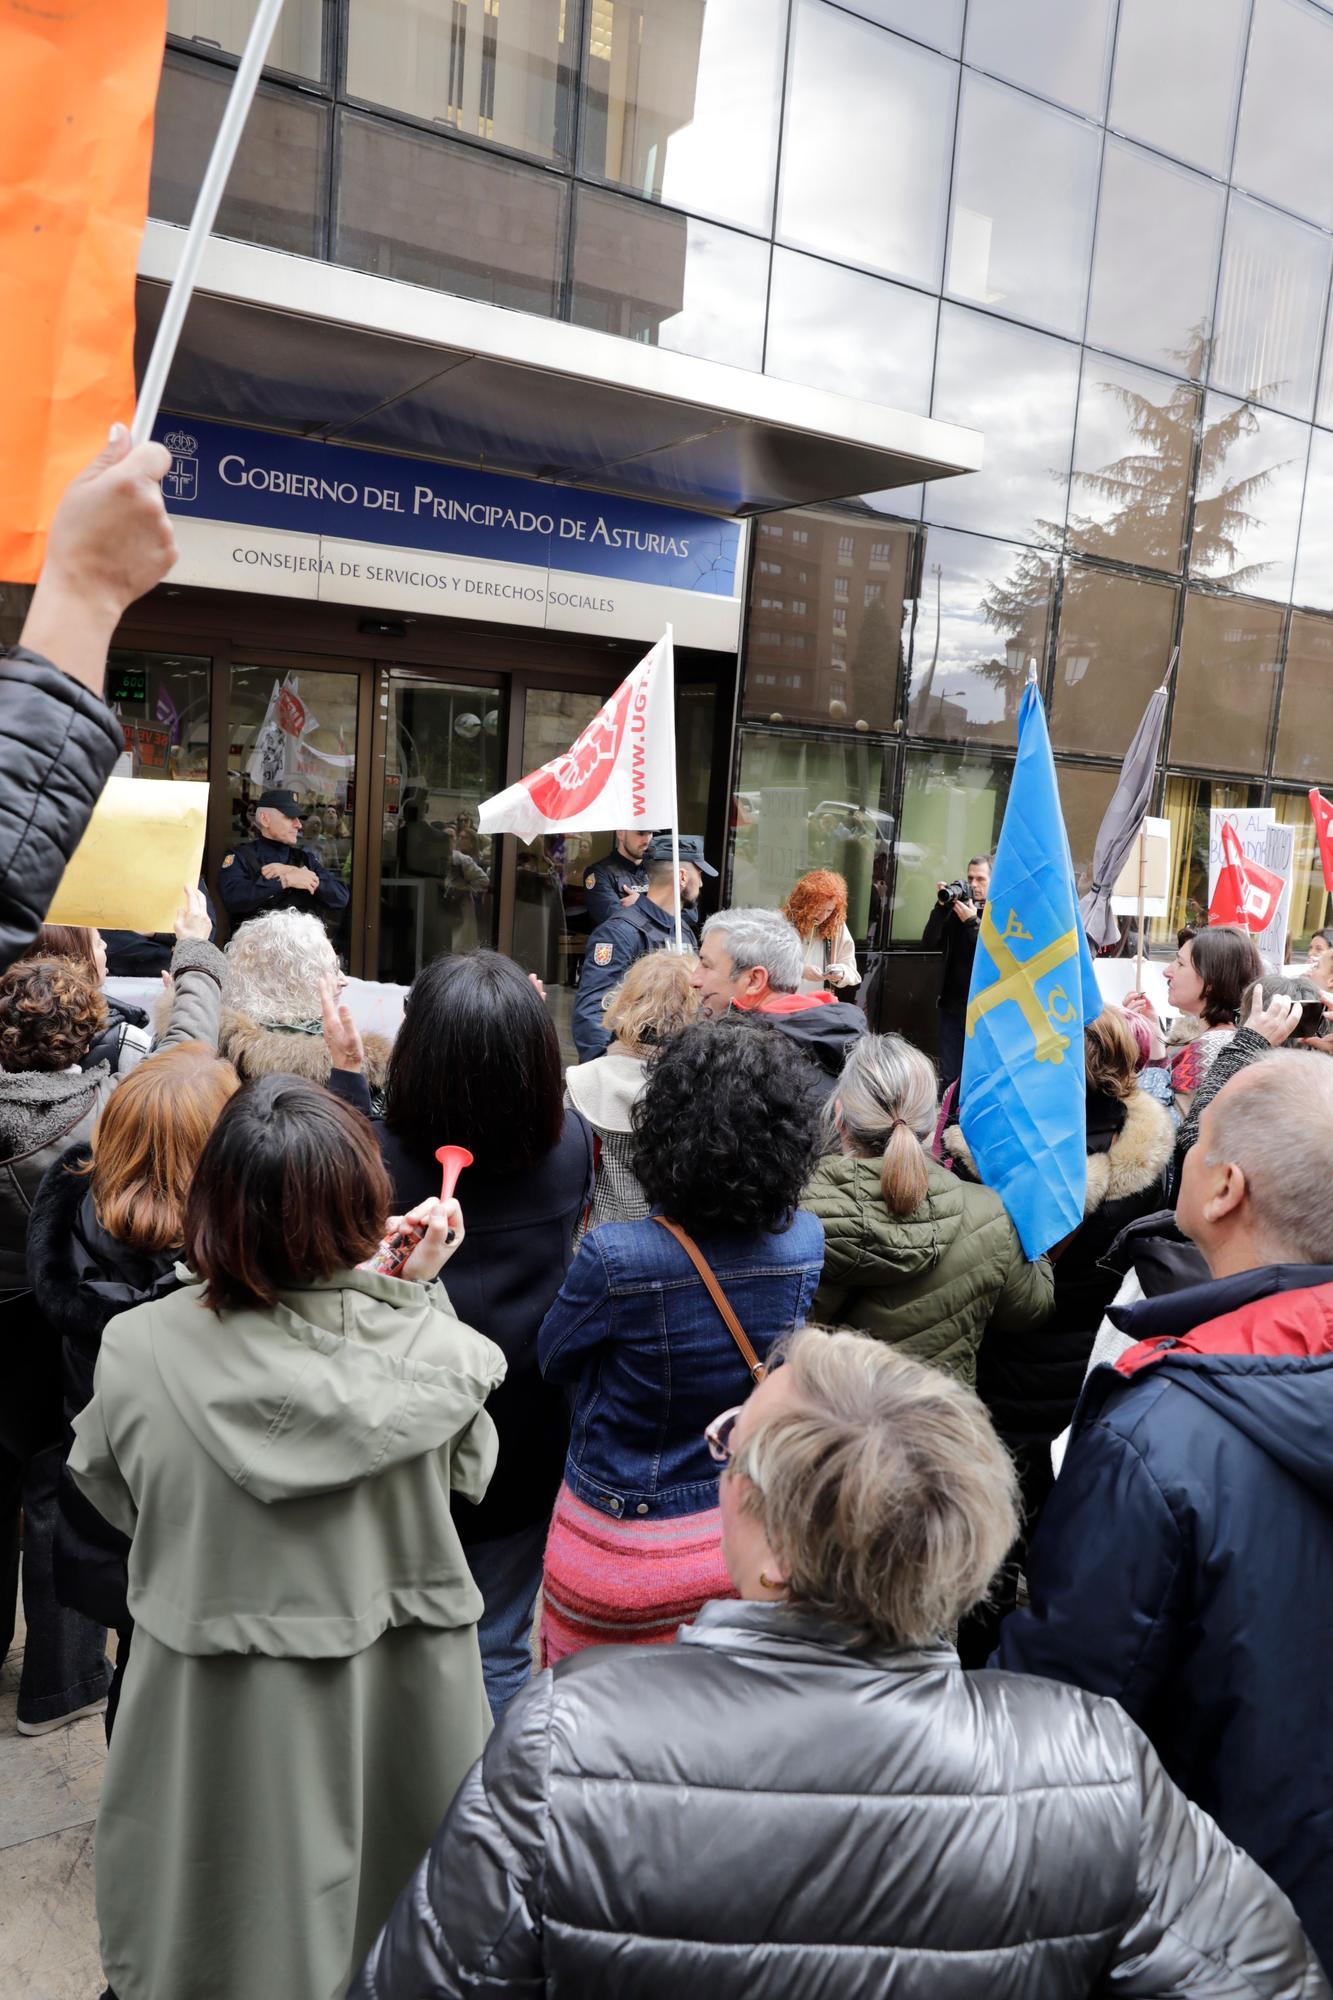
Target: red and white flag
620	772
1323	826
1247	893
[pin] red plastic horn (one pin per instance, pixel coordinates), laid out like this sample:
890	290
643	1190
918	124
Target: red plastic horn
453	1159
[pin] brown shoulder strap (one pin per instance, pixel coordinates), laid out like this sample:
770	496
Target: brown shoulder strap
718	1296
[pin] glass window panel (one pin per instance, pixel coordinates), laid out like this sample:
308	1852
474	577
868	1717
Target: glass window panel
436	213
1133	461
877	196
1019	389
1271	307
298	39
683	100
1247	504
1085	793
1177	75
1314	554
940	23
1116	634
501	73
437	872
162	700
1284	144
1188	804
1054	47
826	326
1154	269
319	766
983	613
825	621
1303	720
952	808
1311	905
668	279
813	802
1024	191
275	193
1230	655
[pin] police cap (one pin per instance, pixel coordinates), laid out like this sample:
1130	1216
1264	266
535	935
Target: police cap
691	849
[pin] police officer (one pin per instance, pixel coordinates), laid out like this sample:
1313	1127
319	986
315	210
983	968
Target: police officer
646	925
617	880
274	872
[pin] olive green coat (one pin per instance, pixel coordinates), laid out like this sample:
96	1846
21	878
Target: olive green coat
931	1282
304	1689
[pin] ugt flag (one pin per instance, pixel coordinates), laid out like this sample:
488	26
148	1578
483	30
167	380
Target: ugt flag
78	84
1323	826
1247	893
620	772
1033	987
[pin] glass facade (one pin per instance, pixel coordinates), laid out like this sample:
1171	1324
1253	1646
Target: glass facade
1101	233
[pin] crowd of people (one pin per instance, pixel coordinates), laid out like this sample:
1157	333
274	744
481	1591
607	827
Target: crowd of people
646	1566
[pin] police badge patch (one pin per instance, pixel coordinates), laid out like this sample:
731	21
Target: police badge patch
601	954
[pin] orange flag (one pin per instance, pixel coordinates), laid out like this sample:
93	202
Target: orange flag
78	83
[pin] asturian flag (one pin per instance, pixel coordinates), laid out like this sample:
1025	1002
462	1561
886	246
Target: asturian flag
1024	1095
620	772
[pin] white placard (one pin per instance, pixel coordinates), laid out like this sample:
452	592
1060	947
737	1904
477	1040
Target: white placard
1117	976
1155	837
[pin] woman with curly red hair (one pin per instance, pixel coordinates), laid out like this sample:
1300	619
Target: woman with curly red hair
817	908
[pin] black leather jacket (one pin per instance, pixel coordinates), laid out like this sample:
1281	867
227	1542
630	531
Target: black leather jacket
762	1810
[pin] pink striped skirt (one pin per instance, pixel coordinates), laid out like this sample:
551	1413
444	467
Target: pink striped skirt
609	1582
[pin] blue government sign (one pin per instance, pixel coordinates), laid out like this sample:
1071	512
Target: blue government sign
222	472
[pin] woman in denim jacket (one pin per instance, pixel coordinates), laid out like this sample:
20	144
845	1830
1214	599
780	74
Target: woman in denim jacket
726	1134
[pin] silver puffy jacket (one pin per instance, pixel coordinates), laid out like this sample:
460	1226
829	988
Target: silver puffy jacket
761	1811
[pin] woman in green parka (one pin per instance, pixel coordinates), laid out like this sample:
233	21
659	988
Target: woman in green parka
913	1254
280	1439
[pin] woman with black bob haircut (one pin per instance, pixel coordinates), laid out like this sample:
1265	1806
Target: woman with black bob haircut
477	1064
280	1437
660	1323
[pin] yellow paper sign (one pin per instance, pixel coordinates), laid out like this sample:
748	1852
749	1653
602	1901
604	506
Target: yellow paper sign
144	842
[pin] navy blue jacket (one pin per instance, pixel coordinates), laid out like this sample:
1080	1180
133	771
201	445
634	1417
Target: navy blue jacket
1184	1562
650	1360
607	881
611	950
245	891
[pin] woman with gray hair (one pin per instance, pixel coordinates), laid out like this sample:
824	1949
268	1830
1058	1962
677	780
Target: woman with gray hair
913	1254
806	1794
272	1022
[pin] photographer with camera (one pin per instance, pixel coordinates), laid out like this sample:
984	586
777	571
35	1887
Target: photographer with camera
953	927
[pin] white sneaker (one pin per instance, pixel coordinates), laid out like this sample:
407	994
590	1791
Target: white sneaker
60	1721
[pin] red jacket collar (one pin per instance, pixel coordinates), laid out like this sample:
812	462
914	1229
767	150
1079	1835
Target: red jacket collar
789	1003
1295	1325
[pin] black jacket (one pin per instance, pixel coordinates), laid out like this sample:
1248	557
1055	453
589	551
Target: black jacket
818	1027
762	1810
81	1278
616	945
502	1280
958	941
58	747
607	881
245	891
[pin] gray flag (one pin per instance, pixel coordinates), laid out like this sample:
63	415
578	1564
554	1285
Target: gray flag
1124	816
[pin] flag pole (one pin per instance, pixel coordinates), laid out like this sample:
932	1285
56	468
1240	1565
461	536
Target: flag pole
675	789
201	222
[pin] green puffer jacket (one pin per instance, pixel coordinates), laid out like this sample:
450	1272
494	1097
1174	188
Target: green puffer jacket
931	1282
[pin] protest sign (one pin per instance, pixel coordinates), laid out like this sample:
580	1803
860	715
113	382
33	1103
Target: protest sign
144	843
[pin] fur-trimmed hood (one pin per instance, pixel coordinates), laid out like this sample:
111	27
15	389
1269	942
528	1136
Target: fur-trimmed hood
257	1051
1137	1156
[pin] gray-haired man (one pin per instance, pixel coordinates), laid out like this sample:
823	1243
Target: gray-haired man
752	960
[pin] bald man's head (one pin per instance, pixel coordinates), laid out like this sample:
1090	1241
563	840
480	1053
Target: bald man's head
1258	1184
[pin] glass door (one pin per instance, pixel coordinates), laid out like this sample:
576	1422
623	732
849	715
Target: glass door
442	757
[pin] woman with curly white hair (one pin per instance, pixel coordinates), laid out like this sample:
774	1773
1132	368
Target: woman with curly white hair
271	1021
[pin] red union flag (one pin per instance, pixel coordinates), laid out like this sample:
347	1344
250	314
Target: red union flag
1247	893
1323	826
620	772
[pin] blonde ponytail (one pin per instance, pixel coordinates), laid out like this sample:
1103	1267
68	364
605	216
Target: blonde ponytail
886	1105
903	1174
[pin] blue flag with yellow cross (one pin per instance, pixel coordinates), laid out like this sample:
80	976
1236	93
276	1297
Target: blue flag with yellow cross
1024	1113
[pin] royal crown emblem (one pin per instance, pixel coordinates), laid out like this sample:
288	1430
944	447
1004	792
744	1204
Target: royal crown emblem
180	444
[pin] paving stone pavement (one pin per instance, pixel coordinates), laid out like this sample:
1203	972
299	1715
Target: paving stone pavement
48	1803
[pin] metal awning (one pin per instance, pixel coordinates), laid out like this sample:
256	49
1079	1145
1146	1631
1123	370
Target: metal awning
297	345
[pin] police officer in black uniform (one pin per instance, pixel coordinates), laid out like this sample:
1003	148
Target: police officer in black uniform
275	872
618	879
627	934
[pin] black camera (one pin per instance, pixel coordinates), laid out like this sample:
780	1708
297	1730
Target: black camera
953	892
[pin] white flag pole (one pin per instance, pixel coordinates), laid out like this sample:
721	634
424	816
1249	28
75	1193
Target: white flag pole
201	223
670	664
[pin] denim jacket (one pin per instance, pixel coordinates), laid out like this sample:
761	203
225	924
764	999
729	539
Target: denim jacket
649	1361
